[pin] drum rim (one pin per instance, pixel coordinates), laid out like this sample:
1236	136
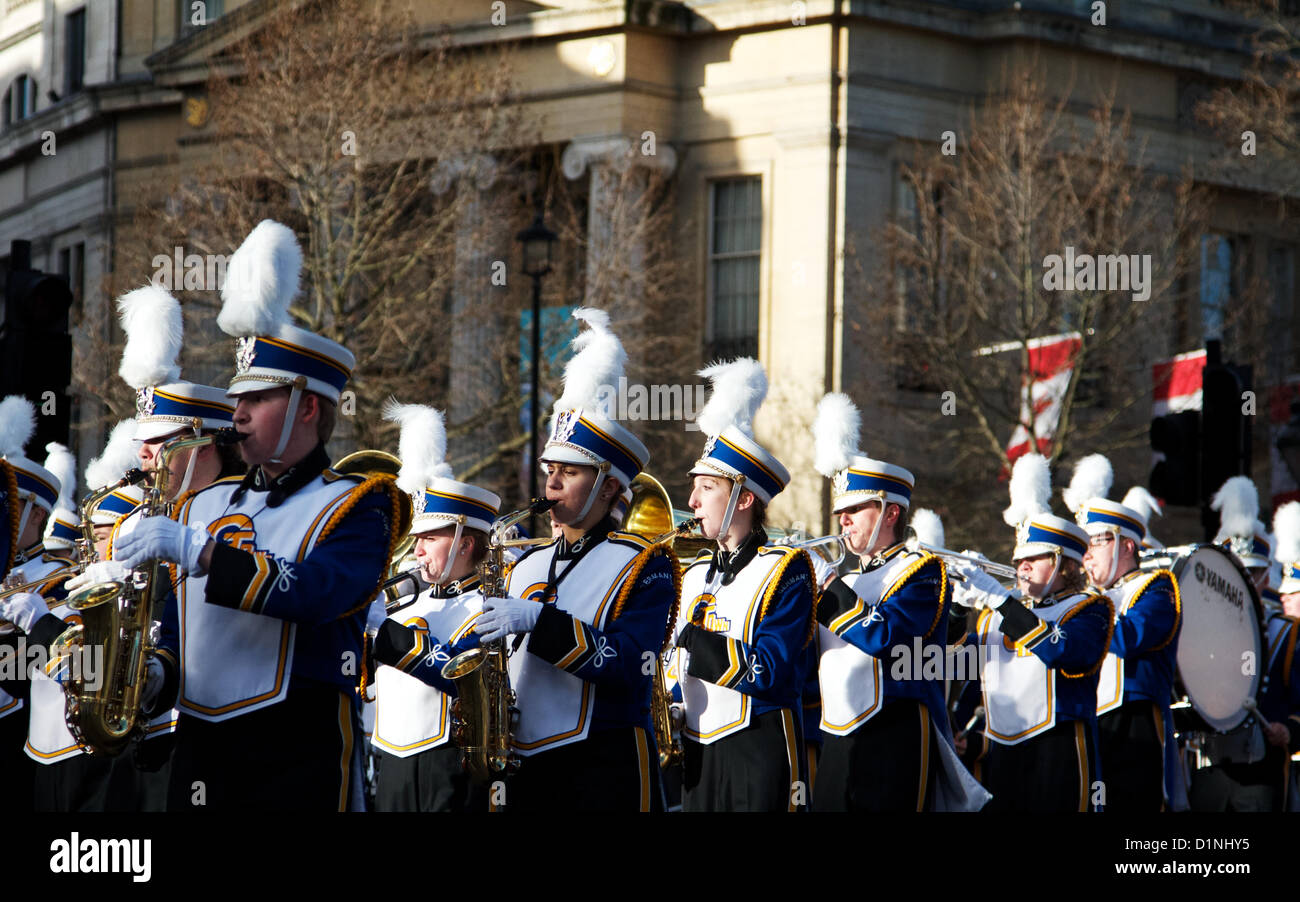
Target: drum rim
1180	554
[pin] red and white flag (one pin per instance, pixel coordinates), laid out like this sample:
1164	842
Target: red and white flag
1176	383
1051	361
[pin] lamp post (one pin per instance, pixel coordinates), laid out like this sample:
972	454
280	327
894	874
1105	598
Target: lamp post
537	241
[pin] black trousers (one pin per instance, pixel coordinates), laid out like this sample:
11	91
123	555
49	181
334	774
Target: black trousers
297	755
19	770
760	768
1261	786
143	771
613	770
82	783
1133	754
887	764
1051	772
431	780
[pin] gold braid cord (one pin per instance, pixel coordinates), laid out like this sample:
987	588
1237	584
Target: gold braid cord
909	573
774	581
387	484
638	565
11	499
1178	604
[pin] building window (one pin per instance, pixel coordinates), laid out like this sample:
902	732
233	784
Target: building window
1216	283
20	99
75	52
72	267
735	243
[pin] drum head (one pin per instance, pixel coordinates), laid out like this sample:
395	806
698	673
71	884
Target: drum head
1220	656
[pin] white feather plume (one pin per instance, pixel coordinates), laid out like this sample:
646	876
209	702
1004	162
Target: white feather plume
120	454
928	527
17	423
739	387
261	280
151	318
1030	489
1237	502
1142	501
597	362
1092	479
422	445
836	431
1286	527
60	462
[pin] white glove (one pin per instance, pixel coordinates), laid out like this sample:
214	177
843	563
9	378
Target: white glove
23	610
823	569
153	682
162	539
980	590
503	616
98	572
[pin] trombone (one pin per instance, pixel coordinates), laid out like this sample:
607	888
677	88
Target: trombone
833	548
1002	571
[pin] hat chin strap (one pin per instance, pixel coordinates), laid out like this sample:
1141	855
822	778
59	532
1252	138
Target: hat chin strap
1114	562
189	467
602	473
1051	579
22	521
290	412
737	484
451	555
875	531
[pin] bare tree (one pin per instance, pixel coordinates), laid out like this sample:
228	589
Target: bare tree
989	257
390	152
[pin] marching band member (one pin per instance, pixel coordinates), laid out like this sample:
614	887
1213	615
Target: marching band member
420	769
277	569
1041	647
167	408
588	610
887	741
1143	772
1145	505
1255	775
39	616
63	528
746	619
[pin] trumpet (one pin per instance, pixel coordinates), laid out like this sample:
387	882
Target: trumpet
833	548
1002	571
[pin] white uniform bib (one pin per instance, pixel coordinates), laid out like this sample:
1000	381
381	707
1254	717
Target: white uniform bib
714	711
1019	689
232	661
411	715
48	739
1110	685
555	707
850	678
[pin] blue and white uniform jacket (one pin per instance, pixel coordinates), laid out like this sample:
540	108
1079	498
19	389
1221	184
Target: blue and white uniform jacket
588	663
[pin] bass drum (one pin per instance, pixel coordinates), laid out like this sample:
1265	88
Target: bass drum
1220	652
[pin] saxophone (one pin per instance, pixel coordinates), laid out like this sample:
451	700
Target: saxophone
484	712
117	616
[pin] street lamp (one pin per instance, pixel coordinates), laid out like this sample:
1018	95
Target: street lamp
537	241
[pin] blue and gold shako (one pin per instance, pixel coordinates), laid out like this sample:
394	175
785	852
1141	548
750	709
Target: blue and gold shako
447	502
164	409
734	455
864	479
582	436
1101	515
1049	534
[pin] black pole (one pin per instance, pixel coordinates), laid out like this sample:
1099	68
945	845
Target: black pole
534	415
